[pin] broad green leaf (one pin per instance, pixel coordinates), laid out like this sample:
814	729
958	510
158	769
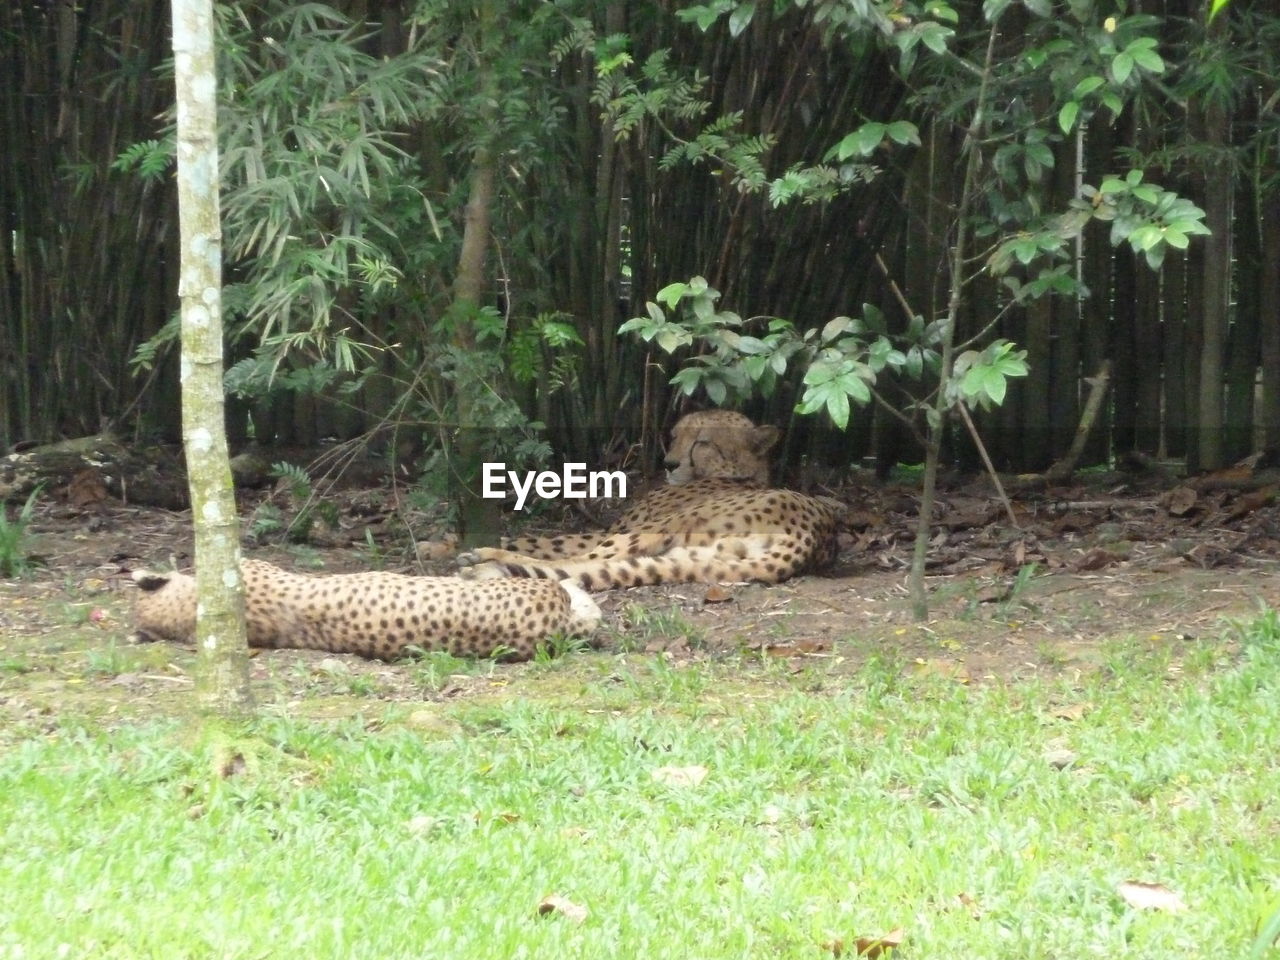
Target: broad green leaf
741	18
994	384
697	286
672	339
874	318
867	137
716	391
914	365
1087	86
704	308
992	9
1067	115
838	408
1148	60
934	36
1121	67
835	327
904	132
671	294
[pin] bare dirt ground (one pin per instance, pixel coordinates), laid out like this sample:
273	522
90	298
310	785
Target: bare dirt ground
1085	576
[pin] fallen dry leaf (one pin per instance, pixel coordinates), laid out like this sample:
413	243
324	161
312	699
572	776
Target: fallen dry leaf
949	669
716	594
680	776
1096	559
793	648
1060	758
505	816
422	823
1150	896
563	906
1074	711
232	766
872	947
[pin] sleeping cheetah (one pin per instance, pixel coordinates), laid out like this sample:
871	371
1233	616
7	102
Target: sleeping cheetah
377	615
715	521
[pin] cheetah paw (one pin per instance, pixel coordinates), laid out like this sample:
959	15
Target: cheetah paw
482	570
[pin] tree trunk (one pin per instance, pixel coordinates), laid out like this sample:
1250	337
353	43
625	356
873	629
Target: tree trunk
223	681
1216	289
1269	320
1174	295
1243	340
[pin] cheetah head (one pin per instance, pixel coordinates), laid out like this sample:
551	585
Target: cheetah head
166	607
716	444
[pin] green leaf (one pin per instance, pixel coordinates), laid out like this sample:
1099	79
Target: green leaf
1121	67
903	132
995	385
672	339
697	286
838	408
1067	115
717	392
740	19
1087	86
857	388
835	327
1041	8
1148	60
671	294
935	36
992	9
914	365
866	138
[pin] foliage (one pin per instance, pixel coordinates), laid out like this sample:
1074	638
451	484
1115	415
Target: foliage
1080	65
305	507
14	537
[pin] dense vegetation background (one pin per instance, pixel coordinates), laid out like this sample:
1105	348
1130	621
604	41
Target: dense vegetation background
440	213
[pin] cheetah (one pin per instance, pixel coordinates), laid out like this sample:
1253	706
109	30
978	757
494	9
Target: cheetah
377	615
715	521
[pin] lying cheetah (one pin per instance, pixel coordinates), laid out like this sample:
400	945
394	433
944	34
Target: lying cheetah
715	521
377	615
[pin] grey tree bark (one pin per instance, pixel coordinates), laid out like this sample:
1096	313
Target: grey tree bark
222	683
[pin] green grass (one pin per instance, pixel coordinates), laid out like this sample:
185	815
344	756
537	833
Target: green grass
883	800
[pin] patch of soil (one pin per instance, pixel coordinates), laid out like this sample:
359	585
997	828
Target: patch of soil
1081	576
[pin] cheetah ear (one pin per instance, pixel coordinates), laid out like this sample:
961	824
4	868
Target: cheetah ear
763	438
149	581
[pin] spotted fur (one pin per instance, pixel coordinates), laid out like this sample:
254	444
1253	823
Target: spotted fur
377	615
714	522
